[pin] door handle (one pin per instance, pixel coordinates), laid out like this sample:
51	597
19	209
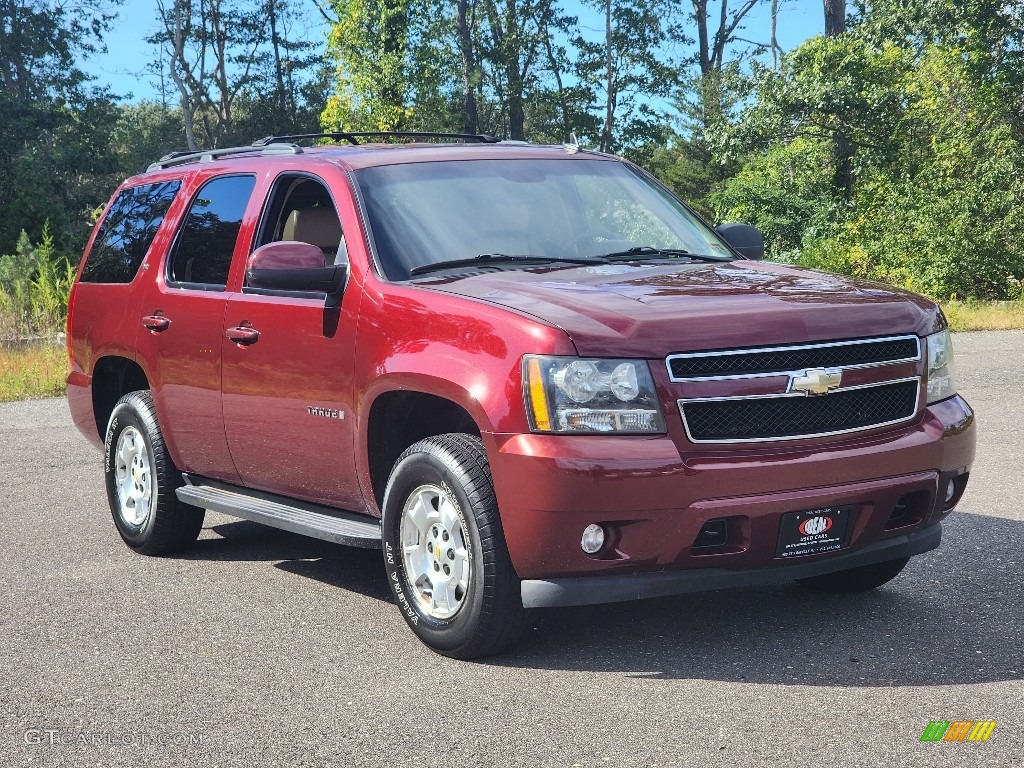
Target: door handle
156	323
243	336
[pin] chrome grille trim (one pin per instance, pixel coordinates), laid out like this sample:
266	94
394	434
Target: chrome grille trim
792	348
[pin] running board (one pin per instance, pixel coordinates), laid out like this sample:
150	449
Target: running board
279	512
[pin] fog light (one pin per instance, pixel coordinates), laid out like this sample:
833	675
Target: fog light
950	491
593	539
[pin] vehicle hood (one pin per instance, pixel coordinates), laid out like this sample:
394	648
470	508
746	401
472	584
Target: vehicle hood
652	310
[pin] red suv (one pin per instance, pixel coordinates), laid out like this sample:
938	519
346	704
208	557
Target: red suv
528	373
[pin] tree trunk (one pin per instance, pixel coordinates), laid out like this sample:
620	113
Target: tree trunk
610	95
711	52
516	108
224	92
700	15
471	120
275	42
835	17
177	34
776	48
842	151
514	21
563	106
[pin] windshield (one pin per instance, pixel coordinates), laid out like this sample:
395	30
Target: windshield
427	213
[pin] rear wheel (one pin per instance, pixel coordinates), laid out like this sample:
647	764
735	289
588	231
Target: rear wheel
141	480
858	579
445	552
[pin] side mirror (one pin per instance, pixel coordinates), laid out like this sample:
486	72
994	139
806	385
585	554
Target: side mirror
745	239
293	266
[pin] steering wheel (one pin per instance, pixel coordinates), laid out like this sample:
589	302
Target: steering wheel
591	237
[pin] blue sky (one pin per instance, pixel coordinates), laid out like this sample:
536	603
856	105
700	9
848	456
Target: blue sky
123	67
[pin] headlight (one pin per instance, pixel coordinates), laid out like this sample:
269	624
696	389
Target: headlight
577	395
940	367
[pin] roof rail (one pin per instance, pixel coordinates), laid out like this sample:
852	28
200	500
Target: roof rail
353	137
209	155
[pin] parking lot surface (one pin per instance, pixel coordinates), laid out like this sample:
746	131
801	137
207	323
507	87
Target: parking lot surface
260	647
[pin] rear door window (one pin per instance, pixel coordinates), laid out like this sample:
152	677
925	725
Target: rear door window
127	232
206	242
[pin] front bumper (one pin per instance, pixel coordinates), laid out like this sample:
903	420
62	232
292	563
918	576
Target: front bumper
653	498
591	590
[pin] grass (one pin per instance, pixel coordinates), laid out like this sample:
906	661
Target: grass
37	370
985	315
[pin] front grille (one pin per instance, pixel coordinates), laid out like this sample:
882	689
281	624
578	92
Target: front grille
793	358
789	416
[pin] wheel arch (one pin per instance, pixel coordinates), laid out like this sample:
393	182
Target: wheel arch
405	411
114	376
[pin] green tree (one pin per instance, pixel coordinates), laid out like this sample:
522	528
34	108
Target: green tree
632	71
935	196
395	65
54	157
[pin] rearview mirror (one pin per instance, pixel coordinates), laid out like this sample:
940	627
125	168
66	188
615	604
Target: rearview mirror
293	266
745	239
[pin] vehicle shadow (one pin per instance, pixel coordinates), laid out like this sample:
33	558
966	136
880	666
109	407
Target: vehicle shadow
350	568
952	617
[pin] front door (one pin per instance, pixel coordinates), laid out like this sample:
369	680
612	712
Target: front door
287	366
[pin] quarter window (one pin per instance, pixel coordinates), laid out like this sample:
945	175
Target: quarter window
127	232
206	243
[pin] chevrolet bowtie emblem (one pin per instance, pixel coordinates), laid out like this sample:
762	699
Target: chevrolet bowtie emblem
815	381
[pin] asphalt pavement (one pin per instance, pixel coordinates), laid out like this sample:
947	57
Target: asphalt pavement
261	648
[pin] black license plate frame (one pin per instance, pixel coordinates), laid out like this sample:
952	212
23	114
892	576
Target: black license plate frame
814	531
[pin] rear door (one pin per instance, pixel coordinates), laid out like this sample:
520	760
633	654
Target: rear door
182	321
287	366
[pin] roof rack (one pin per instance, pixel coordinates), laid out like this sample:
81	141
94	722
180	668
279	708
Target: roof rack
353	137
285	145
209	155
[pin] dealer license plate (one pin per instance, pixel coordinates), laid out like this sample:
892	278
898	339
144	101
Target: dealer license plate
813	531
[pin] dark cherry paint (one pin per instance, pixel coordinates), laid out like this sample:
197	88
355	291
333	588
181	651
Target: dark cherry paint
243	412
286	255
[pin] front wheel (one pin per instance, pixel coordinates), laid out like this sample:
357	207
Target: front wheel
858	579
444	549
141	480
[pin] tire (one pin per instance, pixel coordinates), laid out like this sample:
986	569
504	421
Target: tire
441	528
141	480
857	579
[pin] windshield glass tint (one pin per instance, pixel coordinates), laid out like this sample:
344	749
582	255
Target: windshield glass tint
425	213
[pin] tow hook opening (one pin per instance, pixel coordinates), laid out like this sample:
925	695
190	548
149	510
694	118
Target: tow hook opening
720	535
911	509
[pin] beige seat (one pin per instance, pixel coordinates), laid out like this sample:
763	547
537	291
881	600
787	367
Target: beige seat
316	226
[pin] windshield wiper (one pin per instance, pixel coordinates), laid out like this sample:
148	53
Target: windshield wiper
498	258
647	252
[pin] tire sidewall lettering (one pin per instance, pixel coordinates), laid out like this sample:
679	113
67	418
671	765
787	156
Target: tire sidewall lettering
396	584
108	444
454	498
403	601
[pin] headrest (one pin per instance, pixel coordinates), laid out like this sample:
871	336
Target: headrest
316	226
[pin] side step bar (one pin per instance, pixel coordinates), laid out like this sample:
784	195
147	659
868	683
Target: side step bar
280	512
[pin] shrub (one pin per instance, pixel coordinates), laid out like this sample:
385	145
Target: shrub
34	288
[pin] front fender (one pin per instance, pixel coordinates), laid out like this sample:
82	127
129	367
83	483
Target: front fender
467	351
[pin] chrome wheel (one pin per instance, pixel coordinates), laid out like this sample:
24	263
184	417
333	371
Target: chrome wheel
435	551
133	478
